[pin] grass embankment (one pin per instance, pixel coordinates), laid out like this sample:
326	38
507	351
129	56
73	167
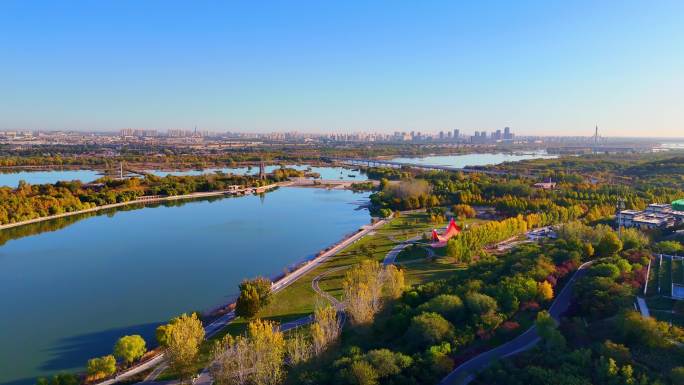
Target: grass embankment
299	299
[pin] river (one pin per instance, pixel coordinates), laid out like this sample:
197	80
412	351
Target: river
471	160
12	179
69	293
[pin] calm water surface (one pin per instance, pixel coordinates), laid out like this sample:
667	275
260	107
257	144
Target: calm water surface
466	160
41	177
336	173
67	295
53	176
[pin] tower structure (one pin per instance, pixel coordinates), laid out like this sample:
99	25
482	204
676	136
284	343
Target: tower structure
596	136
262	170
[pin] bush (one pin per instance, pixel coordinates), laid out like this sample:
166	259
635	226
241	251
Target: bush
429	329
464	211
254	295
130	348
447	305
101	367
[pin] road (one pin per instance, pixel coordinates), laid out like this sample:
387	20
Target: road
466	372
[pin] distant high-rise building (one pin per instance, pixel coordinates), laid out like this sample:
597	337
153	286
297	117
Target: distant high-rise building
441	135
456	134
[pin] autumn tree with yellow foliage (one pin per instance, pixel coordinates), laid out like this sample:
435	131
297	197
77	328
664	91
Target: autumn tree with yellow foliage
184	338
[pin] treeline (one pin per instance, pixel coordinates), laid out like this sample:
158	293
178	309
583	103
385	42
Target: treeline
101	155
35	201
585	197
644	171
601	339
418	336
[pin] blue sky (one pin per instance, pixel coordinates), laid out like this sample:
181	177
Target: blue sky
541	67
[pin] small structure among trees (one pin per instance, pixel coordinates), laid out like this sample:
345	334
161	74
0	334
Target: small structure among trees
452	230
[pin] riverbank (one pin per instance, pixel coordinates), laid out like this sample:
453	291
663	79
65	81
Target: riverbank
218	324
145	200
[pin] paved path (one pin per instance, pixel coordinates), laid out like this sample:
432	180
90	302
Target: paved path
466	372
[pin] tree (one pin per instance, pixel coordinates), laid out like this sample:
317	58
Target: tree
643	330
130	348
101	367
299	347
545	291
450	306
620	353
669	247
394	281
388	363
362	373
464	211
254	295
184	339
479	303
60	379
268	345
233	361
255	358
633	239
362	288
677	375
325	329
609	245
429	329
546	328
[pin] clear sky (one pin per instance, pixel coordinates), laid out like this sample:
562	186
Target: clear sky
542	67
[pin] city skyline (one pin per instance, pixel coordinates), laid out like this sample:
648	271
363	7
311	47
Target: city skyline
542	68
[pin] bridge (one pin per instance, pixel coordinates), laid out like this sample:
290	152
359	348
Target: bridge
393	164
337	184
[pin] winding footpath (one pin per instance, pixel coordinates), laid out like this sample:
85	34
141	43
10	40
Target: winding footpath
467	371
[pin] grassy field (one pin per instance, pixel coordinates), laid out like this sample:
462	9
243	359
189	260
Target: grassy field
426	271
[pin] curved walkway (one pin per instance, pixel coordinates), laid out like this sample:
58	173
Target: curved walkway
467	371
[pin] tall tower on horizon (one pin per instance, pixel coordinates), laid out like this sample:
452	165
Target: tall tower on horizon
262	170
596	136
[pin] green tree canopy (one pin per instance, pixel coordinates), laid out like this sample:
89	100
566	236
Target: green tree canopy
130	348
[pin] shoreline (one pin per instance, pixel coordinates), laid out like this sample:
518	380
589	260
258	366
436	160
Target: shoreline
282	282
244	191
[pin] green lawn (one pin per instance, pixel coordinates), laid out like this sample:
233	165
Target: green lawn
422	272
411	253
